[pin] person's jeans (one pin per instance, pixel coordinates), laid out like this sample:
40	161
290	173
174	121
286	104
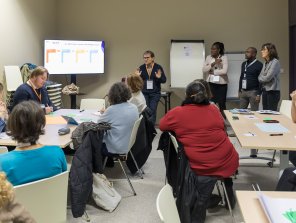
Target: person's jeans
249	97
270	100
152	100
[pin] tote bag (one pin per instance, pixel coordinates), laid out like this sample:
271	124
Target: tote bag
104	194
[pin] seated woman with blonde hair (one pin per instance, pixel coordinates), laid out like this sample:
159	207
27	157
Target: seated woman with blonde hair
10	210
135	83
30	161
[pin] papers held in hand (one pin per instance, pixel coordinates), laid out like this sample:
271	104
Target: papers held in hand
241	111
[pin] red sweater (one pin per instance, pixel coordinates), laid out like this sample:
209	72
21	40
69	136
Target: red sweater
200	128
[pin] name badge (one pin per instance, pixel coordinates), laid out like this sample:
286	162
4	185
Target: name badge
244	84
216	78
149	85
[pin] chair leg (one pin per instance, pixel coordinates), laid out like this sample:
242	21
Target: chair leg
219	192
227	201
135	162
127	178
273	158
105	161
85	217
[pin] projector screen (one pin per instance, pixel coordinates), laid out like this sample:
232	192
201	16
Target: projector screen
74	57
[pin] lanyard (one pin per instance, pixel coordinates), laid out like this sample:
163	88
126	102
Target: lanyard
39	96
246	66
149	73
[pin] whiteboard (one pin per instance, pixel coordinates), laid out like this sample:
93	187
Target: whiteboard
186	61
235	60
13	77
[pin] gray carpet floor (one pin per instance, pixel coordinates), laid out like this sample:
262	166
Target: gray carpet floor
142	208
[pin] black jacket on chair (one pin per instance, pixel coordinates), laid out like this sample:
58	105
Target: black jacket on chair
143	144
87	159
183	181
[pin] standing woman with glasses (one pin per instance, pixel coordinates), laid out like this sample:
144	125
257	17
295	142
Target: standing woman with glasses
270	77
215	70
153	76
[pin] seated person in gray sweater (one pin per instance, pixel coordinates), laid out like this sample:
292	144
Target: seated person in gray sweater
122	116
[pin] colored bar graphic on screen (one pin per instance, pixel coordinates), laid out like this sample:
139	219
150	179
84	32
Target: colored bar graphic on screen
63	52
91	52
79	52
48	51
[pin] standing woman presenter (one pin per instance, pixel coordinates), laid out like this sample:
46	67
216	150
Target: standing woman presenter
270	77
215	71
153	76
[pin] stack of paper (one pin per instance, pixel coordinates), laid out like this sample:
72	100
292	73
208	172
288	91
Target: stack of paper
241	111
270	112
278	210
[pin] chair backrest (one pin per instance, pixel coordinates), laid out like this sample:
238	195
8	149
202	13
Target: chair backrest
3	149
175	143
92	103
134	132
45	199
285	108
166	205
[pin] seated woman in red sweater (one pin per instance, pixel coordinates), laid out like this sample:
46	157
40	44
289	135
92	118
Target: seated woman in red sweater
199	126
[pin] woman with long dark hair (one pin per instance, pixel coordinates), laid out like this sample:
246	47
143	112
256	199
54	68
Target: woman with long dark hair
270	77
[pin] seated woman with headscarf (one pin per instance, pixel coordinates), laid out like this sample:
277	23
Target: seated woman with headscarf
199	126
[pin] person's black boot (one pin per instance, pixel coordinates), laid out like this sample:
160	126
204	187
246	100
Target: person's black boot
214	201
229	190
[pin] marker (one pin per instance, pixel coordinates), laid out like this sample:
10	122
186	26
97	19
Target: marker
81	110
277	134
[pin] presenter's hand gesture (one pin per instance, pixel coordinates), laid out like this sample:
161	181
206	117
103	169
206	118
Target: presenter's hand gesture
158	73
218	60
138	72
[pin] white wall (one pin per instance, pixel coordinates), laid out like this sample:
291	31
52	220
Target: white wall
129	27
24	24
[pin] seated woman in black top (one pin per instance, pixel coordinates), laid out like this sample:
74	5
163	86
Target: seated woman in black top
35	90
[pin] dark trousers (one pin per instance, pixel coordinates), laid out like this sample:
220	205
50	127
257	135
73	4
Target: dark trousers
198	190
219	92
270	100
152	100
292	157
248	97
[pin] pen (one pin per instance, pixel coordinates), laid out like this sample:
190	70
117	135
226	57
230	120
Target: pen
252	134
277	134
81	110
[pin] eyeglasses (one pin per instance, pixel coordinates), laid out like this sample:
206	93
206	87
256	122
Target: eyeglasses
146	57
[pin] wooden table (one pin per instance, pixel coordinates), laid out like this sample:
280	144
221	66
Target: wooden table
263	140
51	137
54	122
251	208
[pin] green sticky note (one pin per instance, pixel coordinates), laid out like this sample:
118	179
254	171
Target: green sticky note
290	215
267	119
